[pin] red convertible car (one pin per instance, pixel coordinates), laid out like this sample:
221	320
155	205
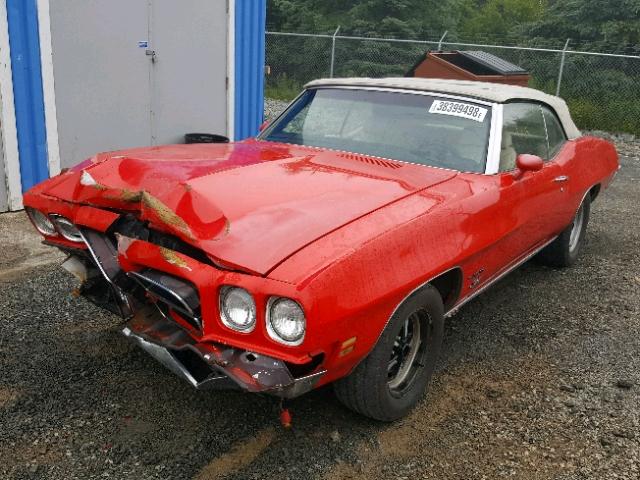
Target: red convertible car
331	247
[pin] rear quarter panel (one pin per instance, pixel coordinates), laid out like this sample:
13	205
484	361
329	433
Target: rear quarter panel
594	162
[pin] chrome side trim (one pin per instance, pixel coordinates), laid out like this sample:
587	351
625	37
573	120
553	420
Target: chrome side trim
497	277
453	310
458	305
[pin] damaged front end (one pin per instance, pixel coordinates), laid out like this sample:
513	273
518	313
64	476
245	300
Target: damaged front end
213	366
138	273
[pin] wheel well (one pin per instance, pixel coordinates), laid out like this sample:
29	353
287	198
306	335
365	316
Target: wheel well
593	193
448	285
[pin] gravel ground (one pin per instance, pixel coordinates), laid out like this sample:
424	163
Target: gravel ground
539	378
273	108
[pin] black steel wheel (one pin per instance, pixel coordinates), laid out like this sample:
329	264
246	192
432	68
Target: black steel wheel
393	378
564	250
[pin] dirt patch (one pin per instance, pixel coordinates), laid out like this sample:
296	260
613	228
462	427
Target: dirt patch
238	457
30	454
21	247
7	396
13	254
460	396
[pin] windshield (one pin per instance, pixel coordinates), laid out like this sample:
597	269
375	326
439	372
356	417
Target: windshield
423	129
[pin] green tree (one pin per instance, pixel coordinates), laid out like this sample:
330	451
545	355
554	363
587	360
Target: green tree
394	18
500	18
600	23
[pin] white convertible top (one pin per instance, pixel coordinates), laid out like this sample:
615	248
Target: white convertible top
495	92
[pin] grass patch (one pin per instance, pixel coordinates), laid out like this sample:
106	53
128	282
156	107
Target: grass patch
615	116
282	88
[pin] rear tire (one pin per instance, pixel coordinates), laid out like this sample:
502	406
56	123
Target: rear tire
393	378
564	250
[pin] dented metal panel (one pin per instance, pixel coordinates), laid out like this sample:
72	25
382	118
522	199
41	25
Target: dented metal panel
250	371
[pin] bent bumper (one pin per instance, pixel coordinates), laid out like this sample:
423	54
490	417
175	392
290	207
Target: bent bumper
213	366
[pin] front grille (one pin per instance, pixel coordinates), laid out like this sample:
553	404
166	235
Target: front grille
175	293
173	296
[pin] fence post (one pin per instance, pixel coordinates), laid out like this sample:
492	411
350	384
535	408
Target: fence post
333	50
441	40
564	53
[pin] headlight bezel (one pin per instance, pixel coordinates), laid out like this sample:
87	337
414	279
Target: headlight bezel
62	224
224	315
272	331
36	216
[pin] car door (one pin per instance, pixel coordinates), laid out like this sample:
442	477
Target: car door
562	153
532	201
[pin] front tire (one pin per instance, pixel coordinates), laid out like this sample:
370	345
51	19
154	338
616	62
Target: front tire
389	383
564	250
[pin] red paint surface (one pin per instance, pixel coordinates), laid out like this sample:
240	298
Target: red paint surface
345	235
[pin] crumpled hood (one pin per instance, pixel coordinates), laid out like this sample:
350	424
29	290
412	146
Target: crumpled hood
249	205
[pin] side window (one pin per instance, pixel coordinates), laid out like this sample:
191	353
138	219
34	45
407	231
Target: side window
523	131
555	133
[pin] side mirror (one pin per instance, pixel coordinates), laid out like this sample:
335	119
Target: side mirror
528	163
264	125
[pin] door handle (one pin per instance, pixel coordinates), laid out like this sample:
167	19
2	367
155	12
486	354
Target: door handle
561	178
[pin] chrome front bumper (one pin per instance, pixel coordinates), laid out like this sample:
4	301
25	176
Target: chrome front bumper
203	365
213	366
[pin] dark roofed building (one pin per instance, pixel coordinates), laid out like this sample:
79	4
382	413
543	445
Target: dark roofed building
469	65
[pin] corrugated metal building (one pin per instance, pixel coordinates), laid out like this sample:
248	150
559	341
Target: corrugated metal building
82	76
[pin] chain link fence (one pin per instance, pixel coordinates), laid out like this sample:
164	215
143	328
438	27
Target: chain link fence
602	90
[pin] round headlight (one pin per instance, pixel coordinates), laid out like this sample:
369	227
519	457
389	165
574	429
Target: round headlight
66	228
285	321
237	309
41	221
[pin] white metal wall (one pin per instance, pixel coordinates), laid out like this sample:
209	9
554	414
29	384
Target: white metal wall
112	92
4	204
188	91
10	184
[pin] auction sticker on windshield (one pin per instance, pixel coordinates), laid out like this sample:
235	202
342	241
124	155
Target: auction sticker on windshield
457	109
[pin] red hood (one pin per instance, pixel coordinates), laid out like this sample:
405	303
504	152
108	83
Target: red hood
249	204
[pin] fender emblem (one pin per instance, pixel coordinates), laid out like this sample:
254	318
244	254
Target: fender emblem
475	278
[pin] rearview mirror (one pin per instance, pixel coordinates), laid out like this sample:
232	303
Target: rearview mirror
264	125
528	163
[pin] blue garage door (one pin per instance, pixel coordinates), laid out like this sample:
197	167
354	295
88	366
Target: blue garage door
249	60
22	16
